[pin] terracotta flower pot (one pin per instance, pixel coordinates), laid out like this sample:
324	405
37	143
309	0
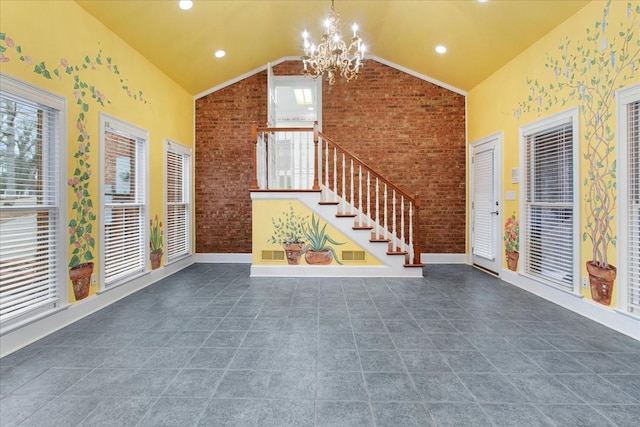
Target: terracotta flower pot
293	251
512	260
81	280
156	258
318	258
601	282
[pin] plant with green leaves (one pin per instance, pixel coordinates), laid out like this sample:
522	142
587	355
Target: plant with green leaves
288	227
155	242
590	72
317	238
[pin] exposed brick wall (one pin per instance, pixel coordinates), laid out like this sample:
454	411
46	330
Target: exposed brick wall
410	130
224	164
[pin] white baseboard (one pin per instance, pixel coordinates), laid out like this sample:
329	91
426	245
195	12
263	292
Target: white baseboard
247	258
224	258
609	317
444	258
28	333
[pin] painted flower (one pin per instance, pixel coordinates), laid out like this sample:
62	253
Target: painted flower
9	41
511	233
64	62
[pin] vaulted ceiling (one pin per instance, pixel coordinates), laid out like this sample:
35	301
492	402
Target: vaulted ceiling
480	37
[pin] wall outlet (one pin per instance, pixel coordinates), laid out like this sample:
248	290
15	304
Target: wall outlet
94	279
585	282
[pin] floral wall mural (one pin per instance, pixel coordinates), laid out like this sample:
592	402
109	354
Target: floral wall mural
588	71
300	236
82	216
155	242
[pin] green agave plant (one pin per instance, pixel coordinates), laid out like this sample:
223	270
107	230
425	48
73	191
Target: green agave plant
318	239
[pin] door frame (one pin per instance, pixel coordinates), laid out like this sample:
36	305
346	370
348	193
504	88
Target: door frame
497	140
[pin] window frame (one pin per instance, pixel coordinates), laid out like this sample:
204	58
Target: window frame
16	88
187	158
107	121
624	97
539	126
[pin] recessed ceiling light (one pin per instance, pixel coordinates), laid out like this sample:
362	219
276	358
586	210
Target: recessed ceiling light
185	4
220	53
483	1
441	49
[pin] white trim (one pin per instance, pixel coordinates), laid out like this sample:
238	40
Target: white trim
624	97
31	93
416	74
108	121
220	258
18	338
333	271
185	151
497	140
613	319
570	115
297	58
426	258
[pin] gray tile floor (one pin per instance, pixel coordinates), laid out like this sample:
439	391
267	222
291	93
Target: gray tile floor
211	346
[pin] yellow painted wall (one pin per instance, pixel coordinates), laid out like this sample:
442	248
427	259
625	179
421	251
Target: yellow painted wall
272	212
509	98
64	36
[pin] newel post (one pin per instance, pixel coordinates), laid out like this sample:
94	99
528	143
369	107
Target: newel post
254	139
416	234
316	158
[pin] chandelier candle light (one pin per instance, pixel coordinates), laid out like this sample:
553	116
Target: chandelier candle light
332	54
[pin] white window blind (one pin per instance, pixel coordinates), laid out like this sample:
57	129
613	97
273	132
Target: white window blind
124	198
178	206
549	204
483	244
633	207
29	204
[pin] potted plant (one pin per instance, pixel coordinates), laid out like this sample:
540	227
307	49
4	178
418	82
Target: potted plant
317	250
511	241
288	231
82	217
155	243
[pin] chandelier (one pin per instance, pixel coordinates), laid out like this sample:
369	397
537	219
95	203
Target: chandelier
332	54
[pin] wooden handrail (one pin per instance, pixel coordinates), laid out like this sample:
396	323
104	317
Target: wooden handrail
321	172
366	166
414	200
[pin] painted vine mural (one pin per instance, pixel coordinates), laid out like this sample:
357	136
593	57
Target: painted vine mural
590	71
82	216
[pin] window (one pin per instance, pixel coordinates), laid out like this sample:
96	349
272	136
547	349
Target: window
31	234
124	184
549	230
629	199
178	205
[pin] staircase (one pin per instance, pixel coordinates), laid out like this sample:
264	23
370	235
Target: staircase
379	216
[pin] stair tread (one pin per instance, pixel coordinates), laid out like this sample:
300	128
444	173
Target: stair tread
329	203
379	240
345	215
397	253
363	227
414	265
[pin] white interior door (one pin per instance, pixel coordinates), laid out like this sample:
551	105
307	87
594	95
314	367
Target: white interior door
485	204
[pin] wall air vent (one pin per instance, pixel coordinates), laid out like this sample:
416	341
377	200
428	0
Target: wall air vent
273	255
353	255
